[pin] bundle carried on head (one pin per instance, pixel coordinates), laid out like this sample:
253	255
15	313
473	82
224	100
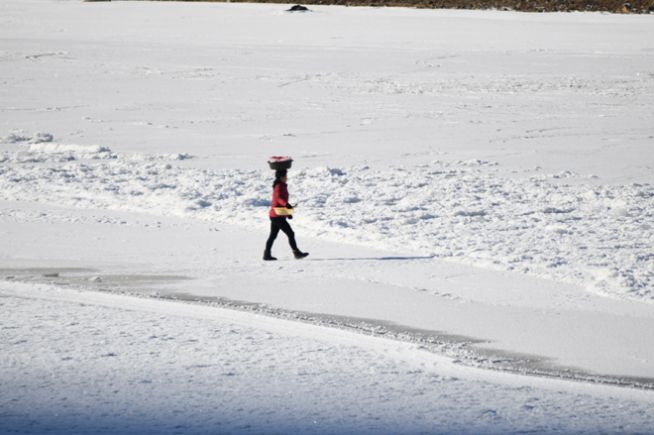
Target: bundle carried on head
280	162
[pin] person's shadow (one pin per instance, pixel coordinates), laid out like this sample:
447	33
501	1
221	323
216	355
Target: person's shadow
389	258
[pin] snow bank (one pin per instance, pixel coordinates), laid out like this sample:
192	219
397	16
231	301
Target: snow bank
561	226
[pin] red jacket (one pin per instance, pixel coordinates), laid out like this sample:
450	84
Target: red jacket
279	199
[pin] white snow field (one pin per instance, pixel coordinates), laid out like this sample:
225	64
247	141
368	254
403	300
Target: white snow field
475	189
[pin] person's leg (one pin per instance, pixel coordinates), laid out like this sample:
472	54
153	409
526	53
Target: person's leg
286	228
274	230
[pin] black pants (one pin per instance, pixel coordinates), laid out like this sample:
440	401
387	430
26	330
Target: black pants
277	224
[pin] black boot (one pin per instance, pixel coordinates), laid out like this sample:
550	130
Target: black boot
267	256
299	254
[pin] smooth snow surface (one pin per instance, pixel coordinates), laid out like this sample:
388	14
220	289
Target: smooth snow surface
168	368
476	190
70	355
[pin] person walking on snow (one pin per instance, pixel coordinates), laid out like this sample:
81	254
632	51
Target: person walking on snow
279	222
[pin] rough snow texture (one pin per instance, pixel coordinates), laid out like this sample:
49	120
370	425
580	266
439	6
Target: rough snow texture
561	226
82	363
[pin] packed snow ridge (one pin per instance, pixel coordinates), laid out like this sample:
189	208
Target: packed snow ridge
561	226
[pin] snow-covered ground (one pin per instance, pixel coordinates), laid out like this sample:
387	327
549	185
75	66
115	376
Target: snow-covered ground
475	190
95	363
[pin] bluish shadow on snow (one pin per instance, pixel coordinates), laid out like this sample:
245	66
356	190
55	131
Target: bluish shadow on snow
150	419
169	421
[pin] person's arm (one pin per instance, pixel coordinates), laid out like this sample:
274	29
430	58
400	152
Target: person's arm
278	200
